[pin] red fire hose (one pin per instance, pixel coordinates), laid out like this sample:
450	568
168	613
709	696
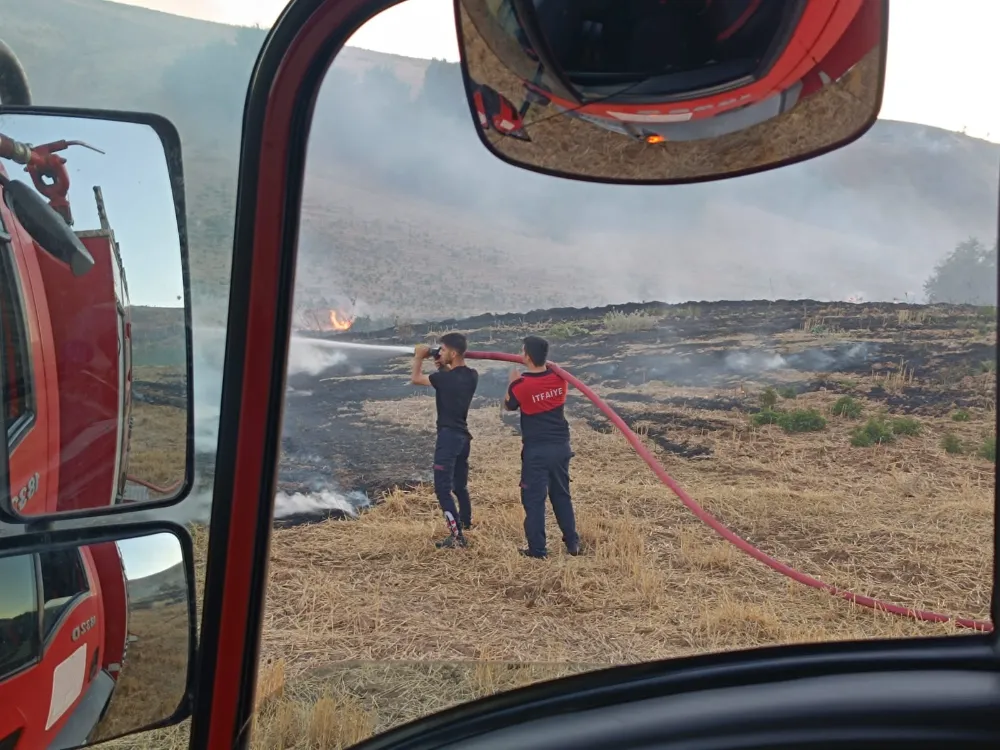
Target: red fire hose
718	527
158	490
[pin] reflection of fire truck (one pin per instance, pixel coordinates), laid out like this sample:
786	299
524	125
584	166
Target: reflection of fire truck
67	367
63	639
732	64
65	363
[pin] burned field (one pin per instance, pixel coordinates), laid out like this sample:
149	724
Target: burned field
681	374
851	442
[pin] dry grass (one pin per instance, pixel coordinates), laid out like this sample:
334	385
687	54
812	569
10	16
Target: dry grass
158	441
151	686
370	615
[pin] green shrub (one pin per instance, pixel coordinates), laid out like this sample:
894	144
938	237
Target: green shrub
768	398
951	444
566	331
787	392
802	420
874	432
905	426
988	449
766	416
618	322
962	415
846	406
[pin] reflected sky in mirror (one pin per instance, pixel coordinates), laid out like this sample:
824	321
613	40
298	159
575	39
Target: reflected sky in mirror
147	555
133	176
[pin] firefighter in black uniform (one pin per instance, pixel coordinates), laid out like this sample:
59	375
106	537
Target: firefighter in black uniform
454	386
540	394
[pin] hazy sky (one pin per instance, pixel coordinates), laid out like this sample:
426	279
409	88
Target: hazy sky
145	555
941	63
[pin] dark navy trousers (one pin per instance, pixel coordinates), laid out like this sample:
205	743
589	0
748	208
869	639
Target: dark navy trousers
451	474
545	472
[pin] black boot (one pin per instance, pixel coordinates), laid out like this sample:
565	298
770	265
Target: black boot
452	541
536	555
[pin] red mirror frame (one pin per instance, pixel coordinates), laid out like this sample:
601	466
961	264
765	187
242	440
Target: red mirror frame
287	77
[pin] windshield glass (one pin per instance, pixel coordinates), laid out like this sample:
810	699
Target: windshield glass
808	354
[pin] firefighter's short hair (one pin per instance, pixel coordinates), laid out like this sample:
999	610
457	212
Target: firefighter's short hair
455	341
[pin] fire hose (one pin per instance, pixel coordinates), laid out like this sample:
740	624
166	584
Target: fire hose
158	490
722	530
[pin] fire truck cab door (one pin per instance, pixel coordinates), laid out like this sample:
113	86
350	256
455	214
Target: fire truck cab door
27	366
50	653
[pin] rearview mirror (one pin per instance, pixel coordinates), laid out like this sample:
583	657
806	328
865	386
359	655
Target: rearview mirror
94	313
97	639
670	92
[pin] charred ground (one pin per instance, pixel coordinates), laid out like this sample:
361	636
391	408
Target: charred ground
680	372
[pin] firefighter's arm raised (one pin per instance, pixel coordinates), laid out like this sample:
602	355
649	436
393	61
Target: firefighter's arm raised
417	377
510	403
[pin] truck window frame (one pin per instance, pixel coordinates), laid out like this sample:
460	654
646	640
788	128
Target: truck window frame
10	286
57	621
38	649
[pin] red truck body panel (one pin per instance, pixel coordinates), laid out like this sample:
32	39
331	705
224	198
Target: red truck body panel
38	700
28	355
87	337
818	30
114	592
66	358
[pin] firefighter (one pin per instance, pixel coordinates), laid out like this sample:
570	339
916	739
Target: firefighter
454	385
540	394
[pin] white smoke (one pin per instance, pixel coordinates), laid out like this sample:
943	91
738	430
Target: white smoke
311	356
748	362
286	505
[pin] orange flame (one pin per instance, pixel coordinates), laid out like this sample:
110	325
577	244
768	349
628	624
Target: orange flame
340	323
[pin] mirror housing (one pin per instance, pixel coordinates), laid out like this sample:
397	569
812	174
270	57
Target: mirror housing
113	314
112	610
668	93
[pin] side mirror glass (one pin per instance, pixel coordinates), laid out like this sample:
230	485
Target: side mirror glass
94	313
96	640
670	92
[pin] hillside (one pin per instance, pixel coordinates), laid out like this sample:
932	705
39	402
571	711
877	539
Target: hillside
401	196
167	585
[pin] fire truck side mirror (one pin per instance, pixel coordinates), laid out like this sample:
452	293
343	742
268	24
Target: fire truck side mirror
97	375
97	632
46	227
670	93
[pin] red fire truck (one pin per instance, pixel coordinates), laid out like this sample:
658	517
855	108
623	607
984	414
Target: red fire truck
65	356
63	640
766	57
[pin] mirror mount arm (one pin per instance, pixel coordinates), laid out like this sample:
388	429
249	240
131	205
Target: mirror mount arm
46	168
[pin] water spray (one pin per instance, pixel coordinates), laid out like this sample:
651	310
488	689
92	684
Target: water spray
356	345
